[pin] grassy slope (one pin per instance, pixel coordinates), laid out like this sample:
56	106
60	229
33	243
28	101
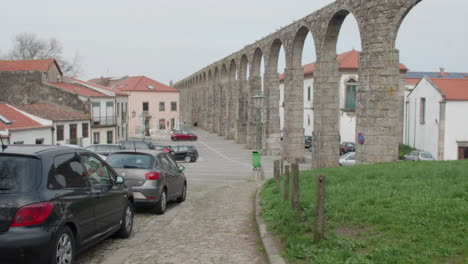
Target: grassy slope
405	212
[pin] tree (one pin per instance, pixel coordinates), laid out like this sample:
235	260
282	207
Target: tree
28	46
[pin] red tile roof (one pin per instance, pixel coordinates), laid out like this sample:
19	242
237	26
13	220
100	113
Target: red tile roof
347	61
117	92
27	65
453	89
412	81
76	89
53	112
18	119
143	84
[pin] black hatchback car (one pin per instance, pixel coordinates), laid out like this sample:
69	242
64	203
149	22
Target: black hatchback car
185	153
56	201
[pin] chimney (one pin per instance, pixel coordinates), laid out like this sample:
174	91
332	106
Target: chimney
442	71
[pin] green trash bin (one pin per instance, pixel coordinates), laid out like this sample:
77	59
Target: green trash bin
256	159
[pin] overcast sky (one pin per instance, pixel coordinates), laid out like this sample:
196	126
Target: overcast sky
168	40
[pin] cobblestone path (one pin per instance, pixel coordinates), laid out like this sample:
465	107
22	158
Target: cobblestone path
214	225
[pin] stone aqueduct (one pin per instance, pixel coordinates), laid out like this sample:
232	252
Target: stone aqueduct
219	96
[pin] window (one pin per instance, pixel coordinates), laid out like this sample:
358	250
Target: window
110	137
145	106
98	174
60	133
350	103
96	138
174	106
422	111
39	141
118	131
85	130
18	142
162	124
309	91
161	106
118	108
68	173
308	120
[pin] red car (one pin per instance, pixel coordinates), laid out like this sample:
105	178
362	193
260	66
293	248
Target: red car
183	135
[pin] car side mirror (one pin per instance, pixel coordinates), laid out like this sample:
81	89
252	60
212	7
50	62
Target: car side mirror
120	180
181	168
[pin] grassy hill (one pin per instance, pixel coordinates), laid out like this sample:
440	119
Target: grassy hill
404	212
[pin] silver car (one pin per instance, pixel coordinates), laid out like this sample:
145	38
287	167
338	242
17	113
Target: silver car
153	175
416	155
348	159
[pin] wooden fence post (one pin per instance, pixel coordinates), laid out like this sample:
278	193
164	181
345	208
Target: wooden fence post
281	168
286	183
295	186
319	229
276	173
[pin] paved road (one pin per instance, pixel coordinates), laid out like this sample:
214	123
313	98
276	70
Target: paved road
215	224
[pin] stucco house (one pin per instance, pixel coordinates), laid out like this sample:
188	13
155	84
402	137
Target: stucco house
152	106
68	125
436	117
348	70
19	127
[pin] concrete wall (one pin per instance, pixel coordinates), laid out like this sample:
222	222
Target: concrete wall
424	136
456	127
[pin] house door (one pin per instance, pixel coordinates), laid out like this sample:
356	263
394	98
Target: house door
73	137
147	127
462	153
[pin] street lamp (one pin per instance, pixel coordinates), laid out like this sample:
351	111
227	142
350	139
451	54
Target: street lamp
258	104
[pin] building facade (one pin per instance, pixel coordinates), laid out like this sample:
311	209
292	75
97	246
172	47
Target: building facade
436	119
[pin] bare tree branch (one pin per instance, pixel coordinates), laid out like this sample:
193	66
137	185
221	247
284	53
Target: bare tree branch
28	46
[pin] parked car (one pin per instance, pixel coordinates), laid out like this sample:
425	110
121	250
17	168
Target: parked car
348	159
416	155
346	147
56	201
183	135
136	144
153	175
163	148
185	153
104	149
308	142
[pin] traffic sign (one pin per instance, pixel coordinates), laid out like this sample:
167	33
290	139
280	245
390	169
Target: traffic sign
361	138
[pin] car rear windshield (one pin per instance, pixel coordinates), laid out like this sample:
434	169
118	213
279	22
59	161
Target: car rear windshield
426	155
108	148
130	161
135	145
19	174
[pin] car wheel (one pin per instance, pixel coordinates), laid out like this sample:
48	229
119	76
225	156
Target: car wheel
174	139
187	159
127	221
192	139
63	251
160	207
194	159
183	195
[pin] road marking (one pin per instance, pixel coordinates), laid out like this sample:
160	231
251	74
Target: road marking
224	156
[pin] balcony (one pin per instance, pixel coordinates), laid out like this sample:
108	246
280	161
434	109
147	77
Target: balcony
104	121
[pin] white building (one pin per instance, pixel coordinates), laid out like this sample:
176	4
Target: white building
69	126
19	127
348	69
436	117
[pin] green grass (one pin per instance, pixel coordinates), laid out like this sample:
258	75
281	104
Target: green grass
405	212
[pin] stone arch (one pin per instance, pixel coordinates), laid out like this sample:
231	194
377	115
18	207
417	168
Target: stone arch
256	62
273	59
328	47
244	64
210	76
224	73
233	70
298	46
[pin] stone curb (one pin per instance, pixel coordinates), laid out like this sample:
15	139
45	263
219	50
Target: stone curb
272	252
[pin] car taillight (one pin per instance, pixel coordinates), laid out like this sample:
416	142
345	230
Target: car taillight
32	214
345	148
166	150
152	175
